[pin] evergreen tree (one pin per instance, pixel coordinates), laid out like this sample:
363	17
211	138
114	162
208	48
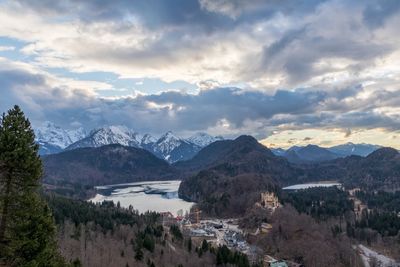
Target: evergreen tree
26	226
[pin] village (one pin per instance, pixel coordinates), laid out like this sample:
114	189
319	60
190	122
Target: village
219	232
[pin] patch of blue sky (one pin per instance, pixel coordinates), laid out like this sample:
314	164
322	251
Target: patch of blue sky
13	53
125	86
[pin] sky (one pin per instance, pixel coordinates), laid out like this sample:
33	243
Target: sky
288	72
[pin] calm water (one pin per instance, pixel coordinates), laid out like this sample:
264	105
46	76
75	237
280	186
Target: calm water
310	185
156	196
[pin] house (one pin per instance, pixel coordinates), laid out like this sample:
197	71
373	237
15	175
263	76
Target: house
271	262
269	200
278	264
266	227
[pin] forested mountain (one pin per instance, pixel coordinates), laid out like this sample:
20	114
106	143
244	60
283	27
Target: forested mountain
314	153
244	151
109	164
233	176
349	149
309	153
379	170
228	176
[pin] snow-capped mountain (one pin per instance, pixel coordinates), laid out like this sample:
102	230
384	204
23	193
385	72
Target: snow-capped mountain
167	143
53	134
173	148
107	136
203	139
354	149
147	139
53	138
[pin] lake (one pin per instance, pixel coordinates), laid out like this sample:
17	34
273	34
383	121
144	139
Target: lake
310	185
159	196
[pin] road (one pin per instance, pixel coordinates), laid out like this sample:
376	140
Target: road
367	254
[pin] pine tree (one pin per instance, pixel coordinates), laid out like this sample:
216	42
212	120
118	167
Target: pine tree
26	226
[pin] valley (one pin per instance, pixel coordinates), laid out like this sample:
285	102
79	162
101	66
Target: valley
238	194
200	133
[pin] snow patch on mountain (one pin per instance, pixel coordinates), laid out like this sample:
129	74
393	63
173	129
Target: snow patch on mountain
54	139
147	139
54	135
167	143
203	139
108	135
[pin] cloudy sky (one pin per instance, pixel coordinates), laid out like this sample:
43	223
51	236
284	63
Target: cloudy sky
285	71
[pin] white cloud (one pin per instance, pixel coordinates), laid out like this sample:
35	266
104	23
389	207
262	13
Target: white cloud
6	48
328	49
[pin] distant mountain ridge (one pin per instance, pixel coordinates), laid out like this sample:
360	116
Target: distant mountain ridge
349	149
227	177
53	139
314	153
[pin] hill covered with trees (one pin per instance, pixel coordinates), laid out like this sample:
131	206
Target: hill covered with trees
107	235
110	164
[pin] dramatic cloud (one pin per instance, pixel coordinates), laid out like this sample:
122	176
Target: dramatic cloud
226	67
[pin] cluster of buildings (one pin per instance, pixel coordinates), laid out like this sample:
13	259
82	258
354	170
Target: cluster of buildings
269	201
272	262
226	232
219	232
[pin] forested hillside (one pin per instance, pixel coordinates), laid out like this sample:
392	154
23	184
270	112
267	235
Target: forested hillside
109	164
107	235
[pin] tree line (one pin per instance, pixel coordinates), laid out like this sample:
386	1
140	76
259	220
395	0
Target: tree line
321	203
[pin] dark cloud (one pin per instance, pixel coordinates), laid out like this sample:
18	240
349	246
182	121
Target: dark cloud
305	41
209	15
376	12
348	132
297	51
181	111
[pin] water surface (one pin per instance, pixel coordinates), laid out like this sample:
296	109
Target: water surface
310	185
159	196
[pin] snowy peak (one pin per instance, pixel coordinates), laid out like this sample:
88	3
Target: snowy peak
203	139
147	139
53	139
77	134
168	142
54	135
108	135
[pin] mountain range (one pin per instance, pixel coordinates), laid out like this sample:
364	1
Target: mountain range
224	178
53	139
313	153
227	177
